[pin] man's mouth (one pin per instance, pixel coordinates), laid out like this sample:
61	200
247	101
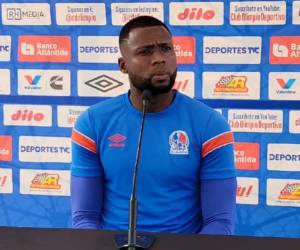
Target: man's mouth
161	77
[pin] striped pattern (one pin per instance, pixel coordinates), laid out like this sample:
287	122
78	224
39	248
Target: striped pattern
84	141
217	142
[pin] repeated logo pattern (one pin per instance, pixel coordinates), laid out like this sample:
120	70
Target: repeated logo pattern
241	57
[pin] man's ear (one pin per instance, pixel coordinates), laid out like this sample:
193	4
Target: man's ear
122	65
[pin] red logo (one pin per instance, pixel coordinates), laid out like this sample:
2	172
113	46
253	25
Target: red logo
44	49
285	50
244	191
3	180
116	140
5	148
196	14
246	156
181	85
26	115
185	49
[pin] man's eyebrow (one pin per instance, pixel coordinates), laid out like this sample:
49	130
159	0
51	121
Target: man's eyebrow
150	46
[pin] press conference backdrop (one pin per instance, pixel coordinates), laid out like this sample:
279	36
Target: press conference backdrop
240	57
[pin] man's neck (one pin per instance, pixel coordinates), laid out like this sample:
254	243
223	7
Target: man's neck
157	103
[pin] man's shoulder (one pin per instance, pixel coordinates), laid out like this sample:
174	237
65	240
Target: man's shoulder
102	111
196	106
204	116
107	105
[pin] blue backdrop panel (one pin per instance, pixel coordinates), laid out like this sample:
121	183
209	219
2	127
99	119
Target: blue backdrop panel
240	57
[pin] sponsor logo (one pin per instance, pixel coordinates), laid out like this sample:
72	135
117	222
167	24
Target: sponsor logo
232	50
5	48
44	149
27	49
26	14
6	185
33	81
55	82
197	13
44	82
98	49
27	115
185	83
5	148
247	191
284	85
44	49
231	85
283	192
124	12
5	82
256	121
116	141
283	157
294	121
185	49
104	83
285	50
258	13
45	182
291	191
67	115
3	180
179	143
296	12
80	13
246	156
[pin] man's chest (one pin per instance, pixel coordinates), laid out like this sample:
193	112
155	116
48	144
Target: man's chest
168	149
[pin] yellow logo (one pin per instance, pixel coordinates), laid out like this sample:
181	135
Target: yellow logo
46	181
291	191
232	84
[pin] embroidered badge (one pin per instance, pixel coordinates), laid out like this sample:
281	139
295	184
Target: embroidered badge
179	143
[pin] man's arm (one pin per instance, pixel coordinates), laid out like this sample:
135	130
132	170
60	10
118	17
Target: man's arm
86	176
86	202
218	206
218	178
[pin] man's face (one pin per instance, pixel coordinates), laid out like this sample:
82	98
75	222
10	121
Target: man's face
149	59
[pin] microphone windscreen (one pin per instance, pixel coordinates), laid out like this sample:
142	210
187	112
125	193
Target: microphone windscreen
146	95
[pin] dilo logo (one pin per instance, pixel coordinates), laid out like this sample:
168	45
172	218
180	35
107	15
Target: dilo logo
26	115
196	13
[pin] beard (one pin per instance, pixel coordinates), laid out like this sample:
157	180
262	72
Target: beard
156	87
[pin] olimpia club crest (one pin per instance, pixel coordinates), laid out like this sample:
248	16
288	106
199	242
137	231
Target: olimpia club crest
179	143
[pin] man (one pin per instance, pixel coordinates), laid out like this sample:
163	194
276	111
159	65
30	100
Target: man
186	180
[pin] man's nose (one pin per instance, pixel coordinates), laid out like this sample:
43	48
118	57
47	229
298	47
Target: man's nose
158	57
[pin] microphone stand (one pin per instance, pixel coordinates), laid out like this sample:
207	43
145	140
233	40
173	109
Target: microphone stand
133	241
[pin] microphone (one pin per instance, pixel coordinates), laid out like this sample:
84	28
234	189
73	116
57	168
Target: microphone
146	97
133	241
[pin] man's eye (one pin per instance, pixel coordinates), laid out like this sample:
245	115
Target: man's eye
145	52
166	48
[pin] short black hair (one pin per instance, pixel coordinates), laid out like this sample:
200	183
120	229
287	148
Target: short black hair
139	22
